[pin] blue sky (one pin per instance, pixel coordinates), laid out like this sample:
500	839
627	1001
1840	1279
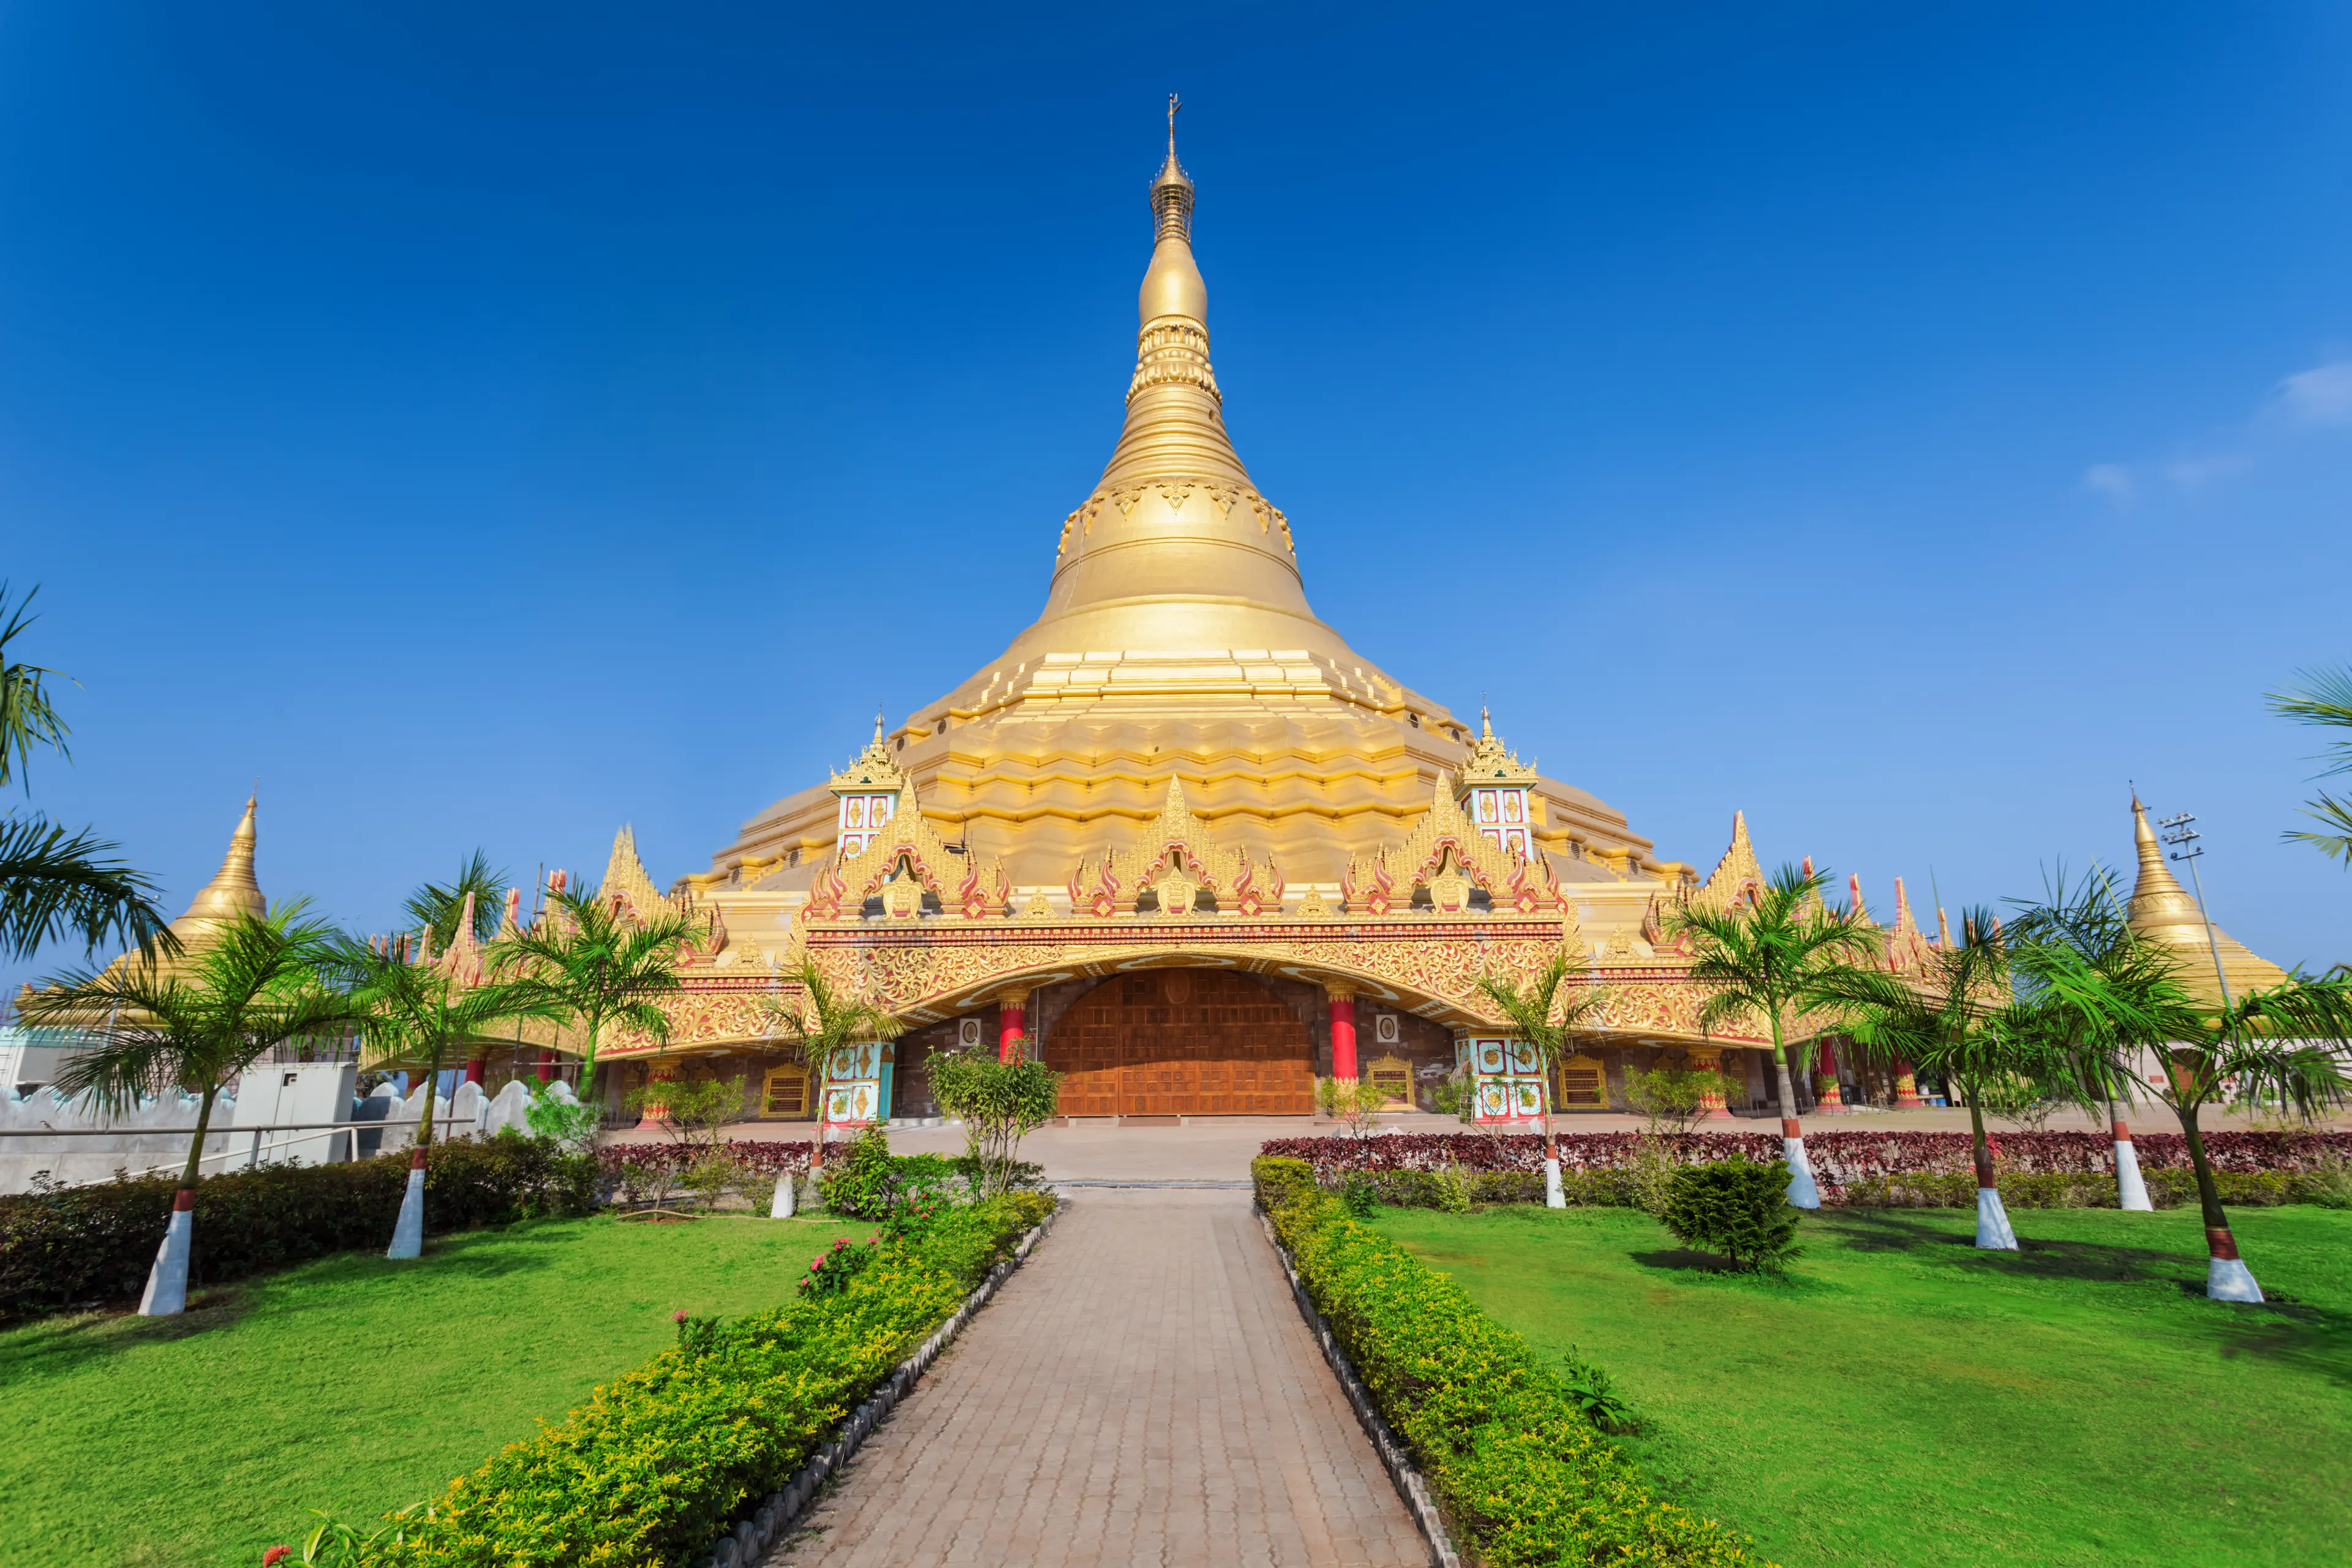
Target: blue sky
487	425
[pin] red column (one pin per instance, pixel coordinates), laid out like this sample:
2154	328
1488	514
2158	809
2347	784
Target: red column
1711	1103
547	1066
1830	1097
1343	1034
1013	1027
1906	1088
474	1070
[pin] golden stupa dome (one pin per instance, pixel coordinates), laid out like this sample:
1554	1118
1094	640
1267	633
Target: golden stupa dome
1176	640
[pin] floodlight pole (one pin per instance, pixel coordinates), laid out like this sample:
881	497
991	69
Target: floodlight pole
2178	831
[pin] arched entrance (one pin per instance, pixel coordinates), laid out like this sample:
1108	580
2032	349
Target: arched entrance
1172	1042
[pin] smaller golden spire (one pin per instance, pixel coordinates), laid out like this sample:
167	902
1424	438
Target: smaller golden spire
233	890
2162	911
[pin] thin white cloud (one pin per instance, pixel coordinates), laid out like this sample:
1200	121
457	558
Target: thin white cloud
2111	480
2321	396
2201	473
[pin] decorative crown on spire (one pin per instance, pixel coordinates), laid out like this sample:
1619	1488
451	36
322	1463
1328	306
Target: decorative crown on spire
1171	191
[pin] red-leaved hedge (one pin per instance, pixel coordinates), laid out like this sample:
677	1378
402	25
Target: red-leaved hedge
763	1157
1839	1158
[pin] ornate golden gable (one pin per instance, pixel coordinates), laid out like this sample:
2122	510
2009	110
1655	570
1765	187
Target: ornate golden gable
1737	877
1442	845
627	885
1907	949
973	886
633	894
1177	856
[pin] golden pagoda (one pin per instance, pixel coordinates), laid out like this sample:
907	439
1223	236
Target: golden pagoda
1184	842
2162	911
233	892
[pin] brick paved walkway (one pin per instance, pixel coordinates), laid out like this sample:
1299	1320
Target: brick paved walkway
1142	1392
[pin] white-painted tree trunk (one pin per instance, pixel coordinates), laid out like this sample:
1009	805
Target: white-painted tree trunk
1803	1192
781	1207
408	1232
2131	1191
1992	1222
2229	1280
167	1281
1553	1197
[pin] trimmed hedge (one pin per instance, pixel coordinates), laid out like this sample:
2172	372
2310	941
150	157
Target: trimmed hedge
658	1465
1865	1169
1837	1157
1904	1189
1521	1472
92	1245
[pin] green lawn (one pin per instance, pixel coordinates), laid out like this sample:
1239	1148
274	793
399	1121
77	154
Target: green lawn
1904	1399
354	1384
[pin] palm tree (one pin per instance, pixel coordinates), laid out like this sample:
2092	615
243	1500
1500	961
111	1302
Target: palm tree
586	963
147	1024
2090	921
2324	698
440	909
417	1014
826	1027
1798	964
54	882
1530	1011
2286	1041
1957	1018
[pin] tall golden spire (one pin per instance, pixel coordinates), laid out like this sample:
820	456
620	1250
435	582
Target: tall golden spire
2162	911
233	890
1176	543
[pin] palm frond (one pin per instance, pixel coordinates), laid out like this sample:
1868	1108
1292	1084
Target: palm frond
27	716
828	1024
2334	813
55	884
438	906
2323	698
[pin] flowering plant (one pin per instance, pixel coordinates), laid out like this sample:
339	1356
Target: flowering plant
829	1273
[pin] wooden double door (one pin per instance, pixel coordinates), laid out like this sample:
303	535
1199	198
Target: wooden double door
1173	1042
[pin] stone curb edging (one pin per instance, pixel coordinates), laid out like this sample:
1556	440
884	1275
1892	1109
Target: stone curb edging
1411	1487
750	1541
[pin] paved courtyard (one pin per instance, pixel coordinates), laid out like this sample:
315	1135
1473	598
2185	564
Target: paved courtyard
1142	1392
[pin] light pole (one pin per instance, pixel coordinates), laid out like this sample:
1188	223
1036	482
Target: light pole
2179	833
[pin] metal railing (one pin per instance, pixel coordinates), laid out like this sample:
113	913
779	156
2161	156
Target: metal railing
252	1155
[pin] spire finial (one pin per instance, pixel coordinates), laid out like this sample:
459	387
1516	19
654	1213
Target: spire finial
1174	103
877	723
1485	720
